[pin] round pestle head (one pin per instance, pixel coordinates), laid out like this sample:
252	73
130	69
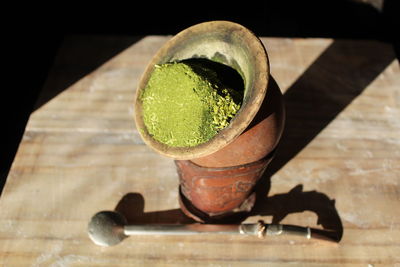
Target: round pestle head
106	228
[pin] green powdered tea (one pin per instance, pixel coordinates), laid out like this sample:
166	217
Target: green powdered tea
185	104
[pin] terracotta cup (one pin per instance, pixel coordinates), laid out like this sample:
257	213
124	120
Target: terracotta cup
217	178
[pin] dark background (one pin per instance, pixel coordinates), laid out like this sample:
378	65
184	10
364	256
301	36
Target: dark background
32	34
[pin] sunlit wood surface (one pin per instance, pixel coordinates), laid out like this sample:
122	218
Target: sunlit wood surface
338	165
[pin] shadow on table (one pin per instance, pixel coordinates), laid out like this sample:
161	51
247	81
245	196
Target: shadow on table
338	76
132	207
278	206
296	201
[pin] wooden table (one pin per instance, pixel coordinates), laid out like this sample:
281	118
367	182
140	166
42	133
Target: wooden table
336	168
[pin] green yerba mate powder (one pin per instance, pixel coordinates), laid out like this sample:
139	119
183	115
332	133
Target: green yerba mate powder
184	104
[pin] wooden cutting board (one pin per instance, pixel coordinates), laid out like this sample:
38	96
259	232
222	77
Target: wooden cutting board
337	166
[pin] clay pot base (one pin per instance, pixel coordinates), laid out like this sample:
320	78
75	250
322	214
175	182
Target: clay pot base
219	195
235	216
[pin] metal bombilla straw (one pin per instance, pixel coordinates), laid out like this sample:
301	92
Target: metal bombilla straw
108	228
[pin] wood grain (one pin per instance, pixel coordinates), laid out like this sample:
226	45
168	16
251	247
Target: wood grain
338	162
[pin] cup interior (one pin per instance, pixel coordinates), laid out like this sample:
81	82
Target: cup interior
223	42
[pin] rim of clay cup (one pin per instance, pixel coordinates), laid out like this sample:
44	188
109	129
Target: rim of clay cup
225	42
